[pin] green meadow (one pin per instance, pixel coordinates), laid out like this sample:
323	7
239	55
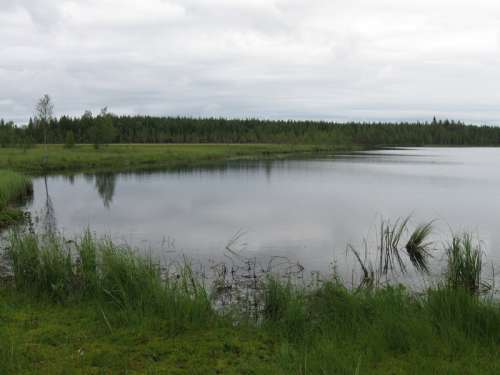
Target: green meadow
124	157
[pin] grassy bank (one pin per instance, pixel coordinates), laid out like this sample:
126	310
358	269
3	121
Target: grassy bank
89	306
139	156
13	187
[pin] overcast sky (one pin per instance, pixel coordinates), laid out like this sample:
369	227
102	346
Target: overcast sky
316	59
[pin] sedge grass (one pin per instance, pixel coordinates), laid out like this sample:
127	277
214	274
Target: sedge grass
465	264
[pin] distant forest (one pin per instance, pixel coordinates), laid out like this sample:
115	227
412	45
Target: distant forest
108	128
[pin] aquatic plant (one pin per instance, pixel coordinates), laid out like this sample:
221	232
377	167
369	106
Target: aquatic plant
391	250
418	247
464	265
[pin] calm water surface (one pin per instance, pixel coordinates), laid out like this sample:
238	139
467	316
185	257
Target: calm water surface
307	210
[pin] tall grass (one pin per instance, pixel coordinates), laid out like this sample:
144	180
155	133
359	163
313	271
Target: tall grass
335	330
13	186
465	264
113	276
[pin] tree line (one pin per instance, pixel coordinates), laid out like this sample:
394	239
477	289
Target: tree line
106	128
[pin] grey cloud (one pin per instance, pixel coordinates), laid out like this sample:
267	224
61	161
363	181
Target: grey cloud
318	59
43	13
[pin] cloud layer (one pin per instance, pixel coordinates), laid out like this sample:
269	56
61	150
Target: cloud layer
317	59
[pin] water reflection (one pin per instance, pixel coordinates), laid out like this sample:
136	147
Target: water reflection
49	216
70	178
105	184
308	210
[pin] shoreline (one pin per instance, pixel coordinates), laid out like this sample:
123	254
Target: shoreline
136	157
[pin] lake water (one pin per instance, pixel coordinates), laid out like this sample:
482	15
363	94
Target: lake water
306	210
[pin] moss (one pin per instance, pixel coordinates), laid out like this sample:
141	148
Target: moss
46	338
55	339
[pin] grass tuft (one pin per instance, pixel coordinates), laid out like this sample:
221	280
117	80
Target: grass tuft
465	265
418	247
390	253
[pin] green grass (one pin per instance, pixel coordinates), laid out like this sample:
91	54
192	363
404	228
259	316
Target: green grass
87	269
88	306
140	156
465	265
13	186
38	337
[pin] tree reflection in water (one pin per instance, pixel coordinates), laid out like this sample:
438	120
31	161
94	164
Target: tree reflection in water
105	184
49	216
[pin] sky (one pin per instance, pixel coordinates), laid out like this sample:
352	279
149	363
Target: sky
383	60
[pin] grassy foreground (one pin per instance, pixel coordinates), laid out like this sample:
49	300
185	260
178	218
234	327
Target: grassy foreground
140	156
38	337
13	186
91	307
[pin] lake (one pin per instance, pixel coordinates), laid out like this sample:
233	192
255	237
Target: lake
306	210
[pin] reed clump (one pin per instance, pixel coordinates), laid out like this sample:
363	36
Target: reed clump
465	263
398	247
